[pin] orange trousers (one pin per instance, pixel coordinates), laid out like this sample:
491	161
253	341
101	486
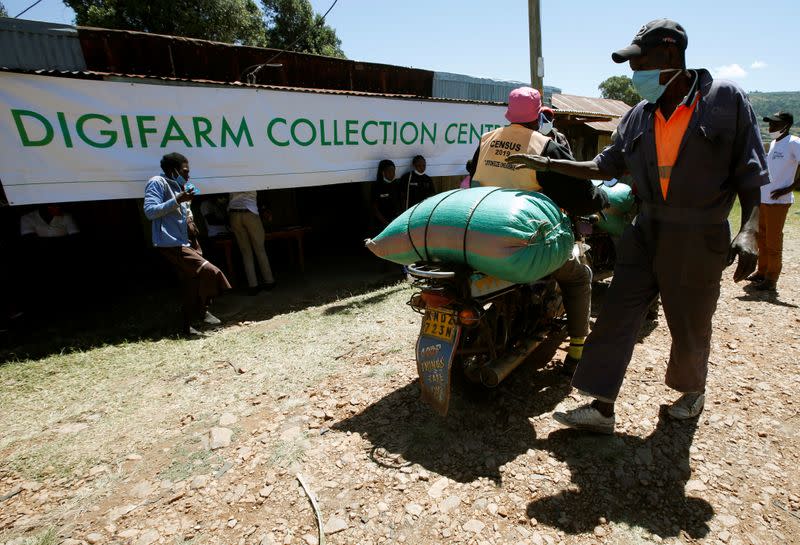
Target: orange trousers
771	218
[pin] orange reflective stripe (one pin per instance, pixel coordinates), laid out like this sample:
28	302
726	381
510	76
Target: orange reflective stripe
669	134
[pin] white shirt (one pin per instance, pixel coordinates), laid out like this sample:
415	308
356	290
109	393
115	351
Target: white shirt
60	226
210	208
782	161
244	200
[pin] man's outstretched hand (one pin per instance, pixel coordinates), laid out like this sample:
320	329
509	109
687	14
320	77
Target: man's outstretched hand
536	162
744	246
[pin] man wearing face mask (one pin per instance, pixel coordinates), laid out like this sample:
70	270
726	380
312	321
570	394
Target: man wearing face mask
693	146
166	205
776	198
547	128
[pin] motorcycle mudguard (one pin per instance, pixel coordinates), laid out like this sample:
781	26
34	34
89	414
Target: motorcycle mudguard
482	284
435	356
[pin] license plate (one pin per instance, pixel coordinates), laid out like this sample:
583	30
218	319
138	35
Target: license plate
436	347
440	324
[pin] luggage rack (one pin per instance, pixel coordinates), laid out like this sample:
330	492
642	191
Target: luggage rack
434	271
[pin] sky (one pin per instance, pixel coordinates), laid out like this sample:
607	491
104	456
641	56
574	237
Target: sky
490	39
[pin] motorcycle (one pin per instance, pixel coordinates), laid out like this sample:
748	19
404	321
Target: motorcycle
598	246
476	325
482	327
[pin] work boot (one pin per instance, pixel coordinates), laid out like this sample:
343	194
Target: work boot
586	418
756	278
767	285
687	406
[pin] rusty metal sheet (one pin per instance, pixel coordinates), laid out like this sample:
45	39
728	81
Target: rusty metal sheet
604	126
590	105
144	54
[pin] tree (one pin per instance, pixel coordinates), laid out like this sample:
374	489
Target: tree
293	25
620	88
3	12
231	21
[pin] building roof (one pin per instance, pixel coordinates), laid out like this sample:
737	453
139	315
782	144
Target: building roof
604	126
32	44
604	107
449	85
117	76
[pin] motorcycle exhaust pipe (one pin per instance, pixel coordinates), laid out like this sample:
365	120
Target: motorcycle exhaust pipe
494	373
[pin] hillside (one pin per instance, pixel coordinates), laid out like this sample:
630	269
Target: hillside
769	103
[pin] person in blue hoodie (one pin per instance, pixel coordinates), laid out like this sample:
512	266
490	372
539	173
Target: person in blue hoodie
167	201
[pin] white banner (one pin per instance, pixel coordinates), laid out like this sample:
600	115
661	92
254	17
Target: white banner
65	139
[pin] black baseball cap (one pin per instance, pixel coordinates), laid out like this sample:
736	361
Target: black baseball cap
779	117
658	32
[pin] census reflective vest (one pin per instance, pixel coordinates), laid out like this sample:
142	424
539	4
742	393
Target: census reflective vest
492	169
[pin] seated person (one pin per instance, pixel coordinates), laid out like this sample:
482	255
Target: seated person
167	201
546	127
48	221
385	201
577	197
215	215
49	236
415	186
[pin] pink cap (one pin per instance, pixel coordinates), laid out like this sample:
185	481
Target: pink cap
524	104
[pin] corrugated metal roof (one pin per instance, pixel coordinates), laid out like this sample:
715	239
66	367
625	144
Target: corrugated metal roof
449	85
114	76
604	126
589	105
32	44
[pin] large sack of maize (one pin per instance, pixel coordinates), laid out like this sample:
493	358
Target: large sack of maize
514	235
620	212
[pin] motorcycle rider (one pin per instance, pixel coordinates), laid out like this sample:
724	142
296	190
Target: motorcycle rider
547	127
576	196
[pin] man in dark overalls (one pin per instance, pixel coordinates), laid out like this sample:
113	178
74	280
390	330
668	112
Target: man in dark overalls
692	145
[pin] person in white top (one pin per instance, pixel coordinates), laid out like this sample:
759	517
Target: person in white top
776	198
246	225
48	222
51	243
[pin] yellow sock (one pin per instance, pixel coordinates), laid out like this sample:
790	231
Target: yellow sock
576	347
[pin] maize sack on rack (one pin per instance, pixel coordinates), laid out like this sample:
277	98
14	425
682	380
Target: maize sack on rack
514	235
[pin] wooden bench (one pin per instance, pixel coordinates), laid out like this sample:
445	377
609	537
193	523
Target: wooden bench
296	234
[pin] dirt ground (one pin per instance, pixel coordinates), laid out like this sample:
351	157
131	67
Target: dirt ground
206	441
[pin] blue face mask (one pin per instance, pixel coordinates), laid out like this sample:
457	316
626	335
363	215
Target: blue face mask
648	83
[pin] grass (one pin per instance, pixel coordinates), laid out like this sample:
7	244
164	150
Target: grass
132	396
49	537
187	463
285	453
792	219
382	371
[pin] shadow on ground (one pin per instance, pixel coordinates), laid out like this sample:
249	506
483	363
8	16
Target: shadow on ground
771	297
625	479
103	315
483	430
